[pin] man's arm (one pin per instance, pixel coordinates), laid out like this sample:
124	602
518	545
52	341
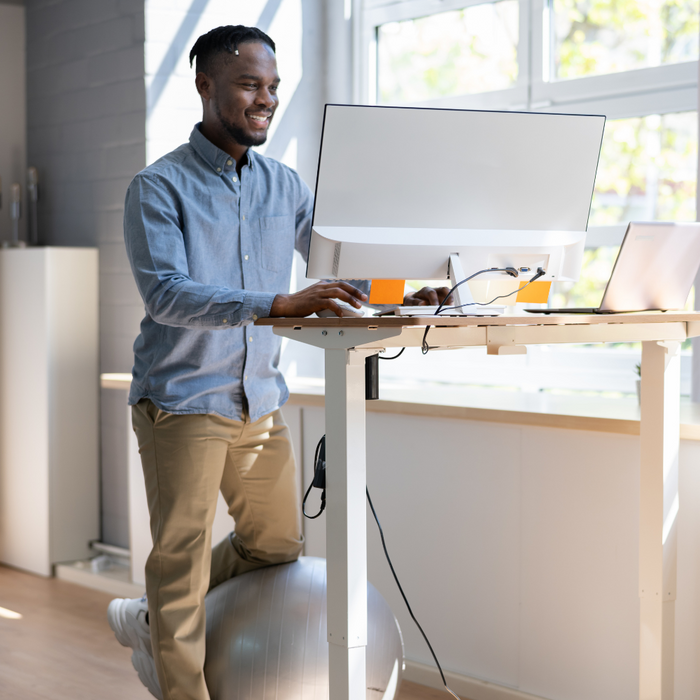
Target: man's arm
426	296
317	297
321	295
156	250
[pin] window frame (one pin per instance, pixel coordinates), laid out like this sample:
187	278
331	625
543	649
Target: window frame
635	93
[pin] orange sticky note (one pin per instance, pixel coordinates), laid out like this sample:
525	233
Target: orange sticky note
386	291
534	293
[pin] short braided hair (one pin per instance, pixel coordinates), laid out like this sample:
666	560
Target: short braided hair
211	45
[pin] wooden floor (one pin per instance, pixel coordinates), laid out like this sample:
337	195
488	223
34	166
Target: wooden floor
63	649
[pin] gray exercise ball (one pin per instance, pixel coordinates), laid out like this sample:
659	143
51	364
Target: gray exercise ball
266	637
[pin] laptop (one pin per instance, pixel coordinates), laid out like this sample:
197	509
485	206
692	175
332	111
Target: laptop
654	271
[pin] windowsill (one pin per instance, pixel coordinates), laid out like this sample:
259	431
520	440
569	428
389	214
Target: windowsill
577	412
574	412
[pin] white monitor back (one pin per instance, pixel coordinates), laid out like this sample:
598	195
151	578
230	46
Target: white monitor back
410	179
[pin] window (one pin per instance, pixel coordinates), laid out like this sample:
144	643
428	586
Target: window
636	61
450	53
647	172
595	37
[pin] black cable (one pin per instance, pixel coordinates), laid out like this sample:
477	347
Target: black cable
425	348
509	270
393	357
311	485
323	503
403	595
540	273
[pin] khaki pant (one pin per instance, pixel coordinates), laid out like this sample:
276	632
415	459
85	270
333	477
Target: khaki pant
186	460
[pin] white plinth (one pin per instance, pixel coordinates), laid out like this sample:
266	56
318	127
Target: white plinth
49	430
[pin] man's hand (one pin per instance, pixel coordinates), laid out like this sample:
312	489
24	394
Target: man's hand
427	297
317	297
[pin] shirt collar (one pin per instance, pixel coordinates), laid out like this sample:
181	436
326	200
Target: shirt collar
213	154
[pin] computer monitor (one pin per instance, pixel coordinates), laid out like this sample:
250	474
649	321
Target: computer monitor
401	189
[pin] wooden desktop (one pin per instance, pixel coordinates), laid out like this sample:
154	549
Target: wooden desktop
348	341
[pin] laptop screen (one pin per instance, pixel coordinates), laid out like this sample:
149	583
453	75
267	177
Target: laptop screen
655	268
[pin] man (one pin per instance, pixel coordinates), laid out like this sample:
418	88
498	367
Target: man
210	232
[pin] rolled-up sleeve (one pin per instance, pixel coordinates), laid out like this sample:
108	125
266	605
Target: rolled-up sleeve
156	249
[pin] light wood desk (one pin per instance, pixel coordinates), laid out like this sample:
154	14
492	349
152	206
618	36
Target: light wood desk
347	342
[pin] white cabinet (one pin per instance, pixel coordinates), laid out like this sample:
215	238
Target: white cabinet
49	434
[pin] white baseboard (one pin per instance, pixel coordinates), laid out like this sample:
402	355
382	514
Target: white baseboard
115	582
464	686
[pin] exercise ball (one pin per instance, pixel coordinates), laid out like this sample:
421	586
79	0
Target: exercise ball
266	637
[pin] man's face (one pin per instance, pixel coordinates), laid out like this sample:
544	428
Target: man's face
245	93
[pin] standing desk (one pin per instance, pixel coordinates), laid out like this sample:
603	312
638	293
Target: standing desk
348	341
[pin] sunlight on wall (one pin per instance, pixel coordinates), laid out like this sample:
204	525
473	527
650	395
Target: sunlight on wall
290	154
286	32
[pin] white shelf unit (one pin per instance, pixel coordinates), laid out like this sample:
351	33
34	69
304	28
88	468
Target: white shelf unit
49	413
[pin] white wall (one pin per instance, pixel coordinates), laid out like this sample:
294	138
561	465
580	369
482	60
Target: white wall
518	549
13	102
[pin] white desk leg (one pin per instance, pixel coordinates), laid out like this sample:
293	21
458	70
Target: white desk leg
346	525
660	441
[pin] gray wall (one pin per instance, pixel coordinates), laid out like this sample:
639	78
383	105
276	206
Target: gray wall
13	152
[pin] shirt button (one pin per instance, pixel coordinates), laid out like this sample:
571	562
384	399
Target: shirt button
225	320
243	217
255	317
245	257
235	179
246	378
250	338
229	162
218	170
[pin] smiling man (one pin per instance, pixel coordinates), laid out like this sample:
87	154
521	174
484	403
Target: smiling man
210	232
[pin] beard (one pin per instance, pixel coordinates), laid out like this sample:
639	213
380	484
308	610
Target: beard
239	135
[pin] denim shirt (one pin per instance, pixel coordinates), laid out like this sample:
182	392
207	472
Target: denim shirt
209	252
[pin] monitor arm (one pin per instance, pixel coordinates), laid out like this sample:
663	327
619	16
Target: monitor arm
461	295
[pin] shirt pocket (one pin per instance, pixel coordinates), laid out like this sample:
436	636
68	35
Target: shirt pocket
276	242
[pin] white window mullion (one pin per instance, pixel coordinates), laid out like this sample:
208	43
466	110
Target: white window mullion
365	62
602	236
499	100
413	9
537	54
621	107
652	81
360	67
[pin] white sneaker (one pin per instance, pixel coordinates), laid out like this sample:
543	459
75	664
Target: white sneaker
127	618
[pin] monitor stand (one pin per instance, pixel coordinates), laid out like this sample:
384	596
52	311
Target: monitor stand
461	295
